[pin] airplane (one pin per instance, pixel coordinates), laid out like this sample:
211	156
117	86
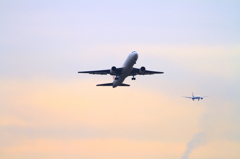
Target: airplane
119	74
195	97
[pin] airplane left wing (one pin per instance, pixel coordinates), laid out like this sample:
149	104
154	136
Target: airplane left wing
112	71
97	72
186	97
142	71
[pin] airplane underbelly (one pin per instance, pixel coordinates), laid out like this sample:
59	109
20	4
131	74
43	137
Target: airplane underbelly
127	69
121	78
125	72
118	82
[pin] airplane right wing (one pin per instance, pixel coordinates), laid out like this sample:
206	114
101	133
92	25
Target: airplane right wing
143	71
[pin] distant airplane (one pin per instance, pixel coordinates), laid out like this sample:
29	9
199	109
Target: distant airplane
121	73
195	97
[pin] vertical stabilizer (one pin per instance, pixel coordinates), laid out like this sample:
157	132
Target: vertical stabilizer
192	94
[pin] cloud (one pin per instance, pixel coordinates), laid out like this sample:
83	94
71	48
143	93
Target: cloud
193	144
218	149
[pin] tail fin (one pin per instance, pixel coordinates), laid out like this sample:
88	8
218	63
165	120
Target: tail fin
192	94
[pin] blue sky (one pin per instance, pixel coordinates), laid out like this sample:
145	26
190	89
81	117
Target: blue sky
46	106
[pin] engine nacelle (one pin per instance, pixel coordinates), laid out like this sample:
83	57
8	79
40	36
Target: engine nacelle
113	70
142	70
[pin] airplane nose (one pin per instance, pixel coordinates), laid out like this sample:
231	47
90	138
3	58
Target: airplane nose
135	54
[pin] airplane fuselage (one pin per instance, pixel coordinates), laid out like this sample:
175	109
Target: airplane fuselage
197	97
127	68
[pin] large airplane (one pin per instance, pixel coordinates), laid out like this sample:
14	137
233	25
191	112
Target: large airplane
121	73
195	97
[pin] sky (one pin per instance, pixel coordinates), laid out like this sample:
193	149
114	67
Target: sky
48	110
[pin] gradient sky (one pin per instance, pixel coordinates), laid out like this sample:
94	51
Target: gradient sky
48	110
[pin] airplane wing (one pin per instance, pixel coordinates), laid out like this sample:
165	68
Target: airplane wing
97	72
103	72
186	97
137	71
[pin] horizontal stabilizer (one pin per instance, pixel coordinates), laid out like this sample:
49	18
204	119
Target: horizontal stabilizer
105	84
124	84
110	84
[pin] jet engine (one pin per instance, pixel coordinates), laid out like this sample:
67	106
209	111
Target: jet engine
113	70
142	70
